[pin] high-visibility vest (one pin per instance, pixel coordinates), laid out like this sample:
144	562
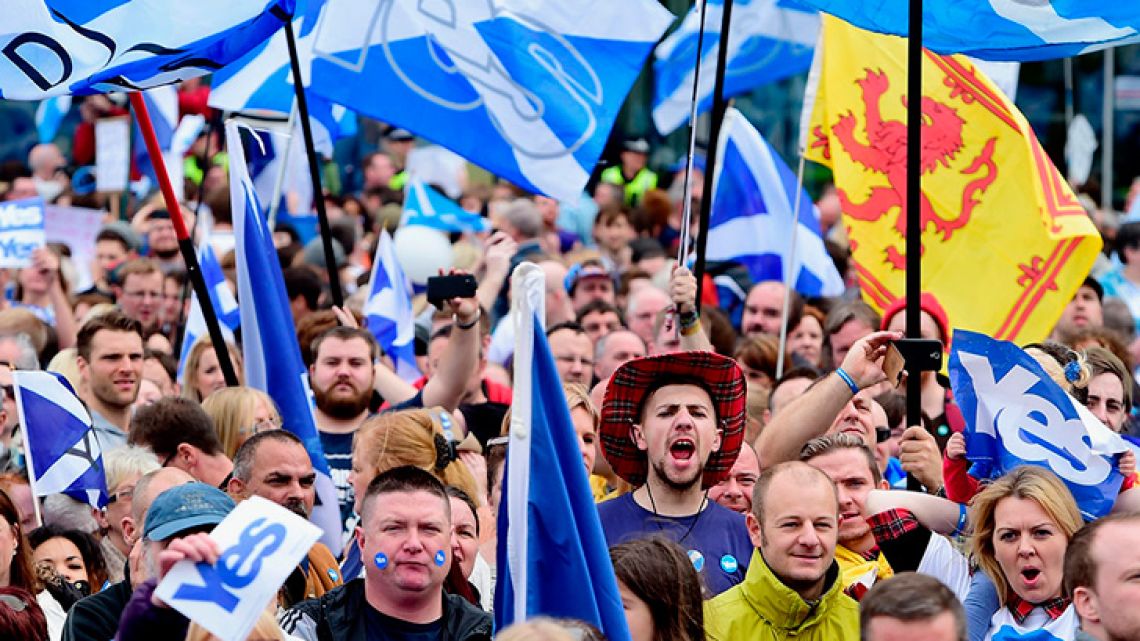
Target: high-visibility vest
398	181
634	189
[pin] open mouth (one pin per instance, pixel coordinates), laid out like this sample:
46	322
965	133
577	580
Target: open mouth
683	449
1030	575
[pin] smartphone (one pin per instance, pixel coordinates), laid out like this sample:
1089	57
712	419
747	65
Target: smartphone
894	365
444	288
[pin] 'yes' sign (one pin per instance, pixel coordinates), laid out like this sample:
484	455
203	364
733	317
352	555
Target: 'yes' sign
21	231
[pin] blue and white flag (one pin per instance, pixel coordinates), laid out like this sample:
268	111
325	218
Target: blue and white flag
1000	29
49	116
79	47
269	342
388	311
527	90
221	297
768	40
63	453
1017	415
549	533
423	205
752	214
162	105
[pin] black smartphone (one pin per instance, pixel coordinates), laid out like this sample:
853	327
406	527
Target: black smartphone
920	354
443	288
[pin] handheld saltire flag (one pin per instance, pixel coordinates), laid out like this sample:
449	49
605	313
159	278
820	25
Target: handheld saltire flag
388	311
63	452
162	105
49	116
1017	415
1000	29
423	205
549	533
754	200
768	40
527	90
994	208
55	47
269	342
221	297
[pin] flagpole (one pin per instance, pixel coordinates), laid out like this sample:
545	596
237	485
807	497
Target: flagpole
314	168
1109	113
719	106
29	460
185	243
686	199
279	182
790	276
913	212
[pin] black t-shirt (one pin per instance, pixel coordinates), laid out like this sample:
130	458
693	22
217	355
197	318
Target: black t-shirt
381	627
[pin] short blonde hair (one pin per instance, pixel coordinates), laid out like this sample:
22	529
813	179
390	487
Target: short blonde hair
123	462
194	359
578	396
232	409
1026	482
408	437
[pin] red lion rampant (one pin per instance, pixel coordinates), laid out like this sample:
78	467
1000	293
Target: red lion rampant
885	153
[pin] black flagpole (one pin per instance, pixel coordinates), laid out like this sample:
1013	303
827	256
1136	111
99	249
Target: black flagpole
314	167
914	211
719	106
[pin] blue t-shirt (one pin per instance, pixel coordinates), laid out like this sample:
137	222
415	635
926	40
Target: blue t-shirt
718	543
338	453
381	627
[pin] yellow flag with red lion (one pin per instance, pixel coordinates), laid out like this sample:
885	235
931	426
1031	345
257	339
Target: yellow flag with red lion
1005	242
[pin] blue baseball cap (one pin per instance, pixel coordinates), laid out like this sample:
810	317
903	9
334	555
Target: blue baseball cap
185	507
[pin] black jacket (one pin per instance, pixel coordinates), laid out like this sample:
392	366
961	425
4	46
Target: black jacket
96	618
339	615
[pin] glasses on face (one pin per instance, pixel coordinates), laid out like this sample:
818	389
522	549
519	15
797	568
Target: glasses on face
123	494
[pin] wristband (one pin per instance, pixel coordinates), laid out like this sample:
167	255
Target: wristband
961	527
847	379
474	321
689	330
688	319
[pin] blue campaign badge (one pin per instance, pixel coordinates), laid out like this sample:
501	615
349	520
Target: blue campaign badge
729	564
333	575
698	560
440	558
381	560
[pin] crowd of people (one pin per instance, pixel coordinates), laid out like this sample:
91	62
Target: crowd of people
744	493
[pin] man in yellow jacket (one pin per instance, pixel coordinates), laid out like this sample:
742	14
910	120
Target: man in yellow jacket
792	586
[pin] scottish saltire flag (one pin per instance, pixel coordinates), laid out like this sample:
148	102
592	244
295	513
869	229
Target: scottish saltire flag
162	105
388	311
269	342
768	40
222	298
752	214
1000	29
423	205
549	533
49	116
79	47
62	450
527	90
1017	415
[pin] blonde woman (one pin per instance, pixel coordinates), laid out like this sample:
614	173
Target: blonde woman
239	413
203	375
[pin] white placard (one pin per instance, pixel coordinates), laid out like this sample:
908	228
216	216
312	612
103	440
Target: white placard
77	228
21	231
261	543
112	153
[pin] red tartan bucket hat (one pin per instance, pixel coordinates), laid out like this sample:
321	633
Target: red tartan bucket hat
629	386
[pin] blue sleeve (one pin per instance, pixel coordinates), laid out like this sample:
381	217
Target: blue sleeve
414	403
981	603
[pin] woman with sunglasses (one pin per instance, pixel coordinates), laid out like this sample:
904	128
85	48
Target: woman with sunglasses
18	571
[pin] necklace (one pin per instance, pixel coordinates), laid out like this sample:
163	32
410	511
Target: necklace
700	511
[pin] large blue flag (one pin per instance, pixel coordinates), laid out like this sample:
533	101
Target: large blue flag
1017	415
221	297
423	205
269	342
1000	29
752	212
80	47
388	311
63	452
768	40
527	90
550	537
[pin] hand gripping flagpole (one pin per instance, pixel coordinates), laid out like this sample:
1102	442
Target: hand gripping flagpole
302	105
185	243
913	212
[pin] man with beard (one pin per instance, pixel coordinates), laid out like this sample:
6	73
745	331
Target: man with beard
162	241
672	425
275	466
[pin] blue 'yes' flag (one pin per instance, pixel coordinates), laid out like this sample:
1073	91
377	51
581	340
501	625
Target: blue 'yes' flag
80	47
550	537
527	90
269	342
1017	415
1000	29
768	40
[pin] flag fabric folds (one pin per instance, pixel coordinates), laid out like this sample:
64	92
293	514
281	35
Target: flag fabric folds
63	453
549	533
269	342
1017	415
49	116
55	47
528	91
1000	29
990	192
423	205
388	311
768	40
753	211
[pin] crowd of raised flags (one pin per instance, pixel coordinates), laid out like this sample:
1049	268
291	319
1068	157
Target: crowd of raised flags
531	92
